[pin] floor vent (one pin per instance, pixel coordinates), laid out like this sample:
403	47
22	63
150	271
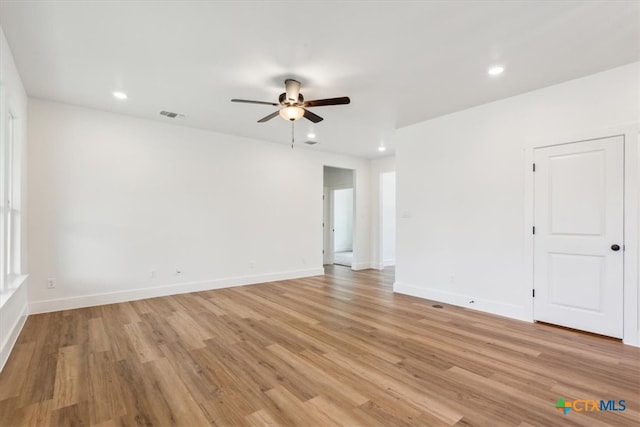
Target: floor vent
437	306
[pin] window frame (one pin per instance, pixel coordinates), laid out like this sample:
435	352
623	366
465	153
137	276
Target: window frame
10	209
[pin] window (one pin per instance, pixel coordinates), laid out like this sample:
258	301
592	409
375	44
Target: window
10	220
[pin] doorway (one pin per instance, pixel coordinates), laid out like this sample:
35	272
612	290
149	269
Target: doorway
578	235
338	216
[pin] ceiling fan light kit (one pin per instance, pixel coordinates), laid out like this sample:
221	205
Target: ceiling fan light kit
292	113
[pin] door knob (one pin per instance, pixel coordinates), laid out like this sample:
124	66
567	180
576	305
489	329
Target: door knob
615	248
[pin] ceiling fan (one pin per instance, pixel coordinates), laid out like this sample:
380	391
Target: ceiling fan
293	106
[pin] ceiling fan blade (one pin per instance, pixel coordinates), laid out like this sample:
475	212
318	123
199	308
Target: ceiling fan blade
246	101
312	116
328	101
269	117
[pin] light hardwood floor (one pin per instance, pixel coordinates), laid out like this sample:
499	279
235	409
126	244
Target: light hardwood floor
335	350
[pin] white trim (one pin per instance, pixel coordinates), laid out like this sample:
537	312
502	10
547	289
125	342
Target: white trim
631	333
631	328
178	288
389	262
487	306
364	266
367	266
527	279
12	336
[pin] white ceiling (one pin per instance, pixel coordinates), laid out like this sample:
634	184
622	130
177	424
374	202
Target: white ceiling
400	62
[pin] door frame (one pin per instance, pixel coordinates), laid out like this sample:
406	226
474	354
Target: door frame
631	138
356	232
600	160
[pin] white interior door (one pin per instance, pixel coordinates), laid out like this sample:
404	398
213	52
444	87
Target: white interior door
578	241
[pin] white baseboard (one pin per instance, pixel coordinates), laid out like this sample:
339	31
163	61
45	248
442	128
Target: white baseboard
363	266
389	262
634	343
12	335
68	303
487	306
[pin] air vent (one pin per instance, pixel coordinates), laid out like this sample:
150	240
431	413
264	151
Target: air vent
311	142
171	115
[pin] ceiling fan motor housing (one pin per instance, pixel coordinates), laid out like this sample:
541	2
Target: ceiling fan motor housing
292	89
284	101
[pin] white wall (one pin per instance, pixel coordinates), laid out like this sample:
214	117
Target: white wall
462	184
13	98
378	168
388	217
338	177
115	197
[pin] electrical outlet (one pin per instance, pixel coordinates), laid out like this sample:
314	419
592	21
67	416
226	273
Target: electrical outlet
178	271
51	283
452	278
152	274
252	264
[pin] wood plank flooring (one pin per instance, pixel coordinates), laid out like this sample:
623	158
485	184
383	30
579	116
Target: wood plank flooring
339	349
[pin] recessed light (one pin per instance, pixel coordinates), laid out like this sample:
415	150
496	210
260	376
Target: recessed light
382	148
120	95
311	135
496	70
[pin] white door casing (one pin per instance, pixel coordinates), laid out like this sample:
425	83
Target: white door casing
579	217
